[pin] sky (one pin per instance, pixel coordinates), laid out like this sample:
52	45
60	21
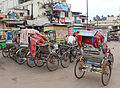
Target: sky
96	7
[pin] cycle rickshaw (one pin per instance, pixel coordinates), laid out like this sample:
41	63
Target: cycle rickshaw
36	50
2	38
95	56
11	40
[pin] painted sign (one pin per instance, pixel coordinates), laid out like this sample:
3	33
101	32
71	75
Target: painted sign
60	7
62	20
2	15
9	37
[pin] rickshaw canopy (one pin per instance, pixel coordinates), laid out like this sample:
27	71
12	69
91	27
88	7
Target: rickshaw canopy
94	38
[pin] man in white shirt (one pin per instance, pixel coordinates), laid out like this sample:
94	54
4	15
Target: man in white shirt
71	39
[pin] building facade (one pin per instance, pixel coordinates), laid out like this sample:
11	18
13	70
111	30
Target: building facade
45	11
37	12
79	21
112	23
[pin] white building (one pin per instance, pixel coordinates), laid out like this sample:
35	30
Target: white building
38	9
111	23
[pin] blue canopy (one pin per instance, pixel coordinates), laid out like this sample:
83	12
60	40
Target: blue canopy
87	33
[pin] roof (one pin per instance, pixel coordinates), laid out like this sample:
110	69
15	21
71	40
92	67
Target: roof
10	29
39	22
76	12
14	22
49	24
87	33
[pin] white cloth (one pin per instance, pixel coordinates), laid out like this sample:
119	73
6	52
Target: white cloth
71	39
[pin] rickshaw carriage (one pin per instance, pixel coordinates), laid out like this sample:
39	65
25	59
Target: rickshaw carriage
94	56
10	40
25	36
12	36
32	43
28	43
2	37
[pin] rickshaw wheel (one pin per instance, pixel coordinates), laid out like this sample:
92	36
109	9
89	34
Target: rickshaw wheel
30	61
106	74
12	52
5	51
38	61
78	69
111	58
52	63
19	55
65	62
0	47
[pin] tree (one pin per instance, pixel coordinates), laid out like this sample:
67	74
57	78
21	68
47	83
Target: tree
108	15
98	18
103	18
112	15
94	18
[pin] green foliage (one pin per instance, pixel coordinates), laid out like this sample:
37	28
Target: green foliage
98	18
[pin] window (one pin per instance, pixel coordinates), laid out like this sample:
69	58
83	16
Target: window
83	20
56	13
66	14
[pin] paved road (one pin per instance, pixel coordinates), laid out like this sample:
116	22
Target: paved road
13	75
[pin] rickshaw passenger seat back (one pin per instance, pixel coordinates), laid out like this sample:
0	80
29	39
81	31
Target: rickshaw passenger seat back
92	44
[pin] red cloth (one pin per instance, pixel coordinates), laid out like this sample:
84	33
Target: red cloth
33	47
96	41
36	38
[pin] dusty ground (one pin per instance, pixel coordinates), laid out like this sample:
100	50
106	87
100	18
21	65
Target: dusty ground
13	75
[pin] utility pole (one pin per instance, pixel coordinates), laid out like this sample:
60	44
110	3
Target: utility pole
51	10
87	11
32	11
13	3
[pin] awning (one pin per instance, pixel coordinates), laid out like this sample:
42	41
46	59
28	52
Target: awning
21	26
38	22
14	22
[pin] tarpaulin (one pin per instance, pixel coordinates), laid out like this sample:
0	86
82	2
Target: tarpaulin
37	38
90	37
33	47
24	35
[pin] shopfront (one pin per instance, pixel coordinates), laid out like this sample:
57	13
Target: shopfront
61	31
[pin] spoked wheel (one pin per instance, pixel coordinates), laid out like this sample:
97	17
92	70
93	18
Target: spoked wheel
5	51
1	48
72	56
106	74
79	73
111	58
20	56
65	62
52	63
30	61
12	52
38	60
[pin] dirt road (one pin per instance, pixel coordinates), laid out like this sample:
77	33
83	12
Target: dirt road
13	75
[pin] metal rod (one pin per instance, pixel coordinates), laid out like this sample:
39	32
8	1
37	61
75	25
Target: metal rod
87	11
13	3
51	10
